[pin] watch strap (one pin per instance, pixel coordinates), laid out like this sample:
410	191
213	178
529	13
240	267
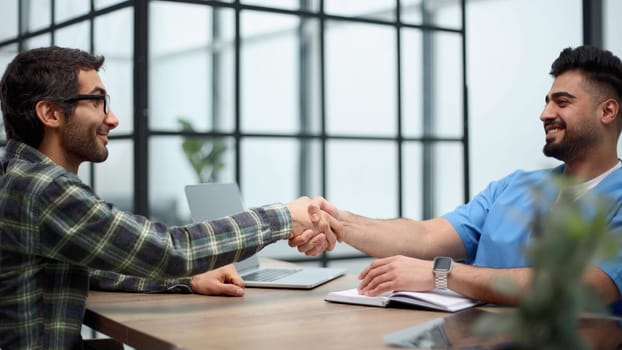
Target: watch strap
440	280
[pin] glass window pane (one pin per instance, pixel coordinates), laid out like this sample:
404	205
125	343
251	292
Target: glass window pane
117	76
360	79
447	81
448	188
170	171
368	166
38	41
223	90
170	81
445	13
274	170
8	20
310	104
283	4
74	36
67	9
7	53
99	4
257	26
362	178
114	178
111	33
196	72
410	11
85	172
412	177
444	71
117	73
377	9
412	83
612	27
270	84
178	28
37	15
310	153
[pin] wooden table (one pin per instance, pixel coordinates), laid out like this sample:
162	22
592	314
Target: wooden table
262	319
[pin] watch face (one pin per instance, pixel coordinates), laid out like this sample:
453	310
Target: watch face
442	264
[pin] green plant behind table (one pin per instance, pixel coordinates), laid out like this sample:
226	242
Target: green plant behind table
204	156
567	238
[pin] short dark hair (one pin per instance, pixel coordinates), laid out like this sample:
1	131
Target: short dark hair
48	73
599	66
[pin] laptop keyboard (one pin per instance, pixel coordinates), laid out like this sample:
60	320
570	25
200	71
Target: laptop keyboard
268	275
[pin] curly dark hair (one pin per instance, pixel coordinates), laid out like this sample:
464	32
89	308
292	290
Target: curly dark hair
600	67
48	73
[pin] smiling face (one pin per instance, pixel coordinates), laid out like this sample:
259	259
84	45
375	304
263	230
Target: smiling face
85	132
570	118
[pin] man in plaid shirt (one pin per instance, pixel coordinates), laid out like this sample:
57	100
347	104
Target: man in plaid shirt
54	229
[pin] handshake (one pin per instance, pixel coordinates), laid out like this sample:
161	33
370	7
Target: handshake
315	225
315	228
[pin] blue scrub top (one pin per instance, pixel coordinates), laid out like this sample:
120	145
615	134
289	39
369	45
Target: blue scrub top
496	225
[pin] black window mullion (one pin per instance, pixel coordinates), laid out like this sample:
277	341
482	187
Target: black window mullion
400	140
304	100
593	22
465	110
324	257
237	97
91	166
141	107
427	72
53	19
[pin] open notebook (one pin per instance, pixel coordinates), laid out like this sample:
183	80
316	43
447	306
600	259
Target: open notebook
209	201
444	300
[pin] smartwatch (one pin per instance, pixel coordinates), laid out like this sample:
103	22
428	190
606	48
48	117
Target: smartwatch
442	267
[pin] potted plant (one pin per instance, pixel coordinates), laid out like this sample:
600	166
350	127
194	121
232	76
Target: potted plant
204	156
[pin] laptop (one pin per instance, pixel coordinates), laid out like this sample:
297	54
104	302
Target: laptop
209	201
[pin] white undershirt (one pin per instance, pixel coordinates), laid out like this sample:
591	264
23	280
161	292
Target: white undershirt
578	190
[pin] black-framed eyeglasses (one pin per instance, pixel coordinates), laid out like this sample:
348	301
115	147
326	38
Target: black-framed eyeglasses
105	98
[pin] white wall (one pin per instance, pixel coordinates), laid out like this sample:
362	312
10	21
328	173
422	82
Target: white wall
511	45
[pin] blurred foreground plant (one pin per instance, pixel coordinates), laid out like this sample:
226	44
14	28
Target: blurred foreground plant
567	238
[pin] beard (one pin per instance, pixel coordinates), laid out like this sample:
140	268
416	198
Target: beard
575	143
82	144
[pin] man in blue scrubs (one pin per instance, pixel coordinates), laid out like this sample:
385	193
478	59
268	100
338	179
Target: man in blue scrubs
582	120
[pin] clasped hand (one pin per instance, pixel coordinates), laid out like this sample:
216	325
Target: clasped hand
316	225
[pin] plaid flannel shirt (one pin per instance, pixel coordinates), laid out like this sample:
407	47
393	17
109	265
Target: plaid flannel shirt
54	229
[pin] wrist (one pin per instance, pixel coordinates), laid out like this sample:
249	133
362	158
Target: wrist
191	284
349	223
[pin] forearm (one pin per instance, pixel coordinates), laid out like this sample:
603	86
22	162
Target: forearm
401	236
132	245
484	284
373	236
602	283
